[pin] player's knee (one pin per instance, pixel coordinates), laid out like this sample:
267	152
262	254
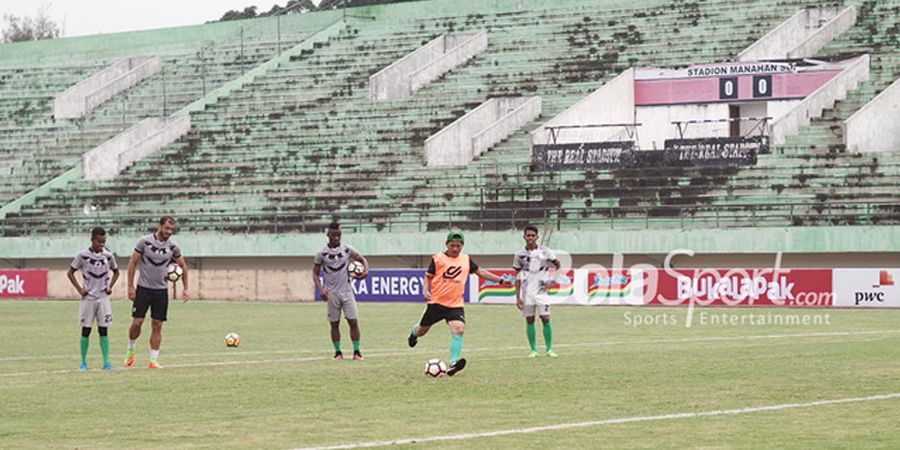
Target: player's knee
86	331
545	319
354	323
529	320
157	324
137	322
335	325
102	330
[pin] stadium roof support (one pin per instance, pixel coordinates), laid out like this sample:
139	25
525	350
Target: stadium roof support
876	126
480	129
801	36
148	136
93	91
612	103
855	72
426	64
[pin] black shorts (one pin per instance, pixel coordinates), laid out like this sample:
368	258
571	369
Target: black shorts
157	300
435	313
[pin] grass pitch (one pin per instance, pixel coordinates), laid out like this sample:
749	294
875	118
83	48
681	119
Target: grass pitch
280	389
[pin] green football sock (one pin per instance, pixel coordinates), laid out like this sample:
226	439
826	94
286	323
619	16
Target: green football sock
548	336
532	336
85	343
104	348
337	346
355	346
456	345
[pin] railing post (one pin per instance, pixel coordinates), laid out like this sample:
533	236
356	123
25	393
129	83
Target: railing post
203	71
165	106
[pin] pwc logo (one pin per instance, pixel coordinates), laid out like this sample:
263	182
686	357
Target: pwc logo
12	285
884	279
877	295
452	272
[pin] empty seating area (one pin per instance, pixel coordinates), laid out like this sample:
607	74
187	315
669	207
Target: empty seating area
35	147
303	145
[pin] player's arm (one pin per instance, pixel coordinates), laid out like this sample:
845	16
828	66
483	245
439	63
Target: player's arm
495	278
426	287
185	296
520	303
132	267
317	269
71	275
429	274
112	282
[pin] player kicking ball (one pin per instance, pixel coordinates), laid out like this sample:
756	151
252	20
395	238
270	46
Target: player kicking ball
532	265
95	263
445	283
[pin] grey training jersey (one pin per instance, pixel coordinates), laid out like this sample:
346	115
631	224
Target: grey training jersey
95	269
334	267
534	266
155	256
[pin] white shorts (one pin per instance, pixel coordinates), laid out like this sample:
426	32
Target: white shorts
530	310
342	301
100	309
535	304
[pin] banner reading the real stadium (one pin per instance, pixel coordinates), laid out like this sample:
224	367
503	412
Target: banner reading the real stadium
583	156
23	284
560	289
714	151
743	287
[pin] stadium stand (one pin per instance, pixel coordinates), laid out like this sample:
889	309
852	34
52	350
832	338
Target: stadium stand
303	144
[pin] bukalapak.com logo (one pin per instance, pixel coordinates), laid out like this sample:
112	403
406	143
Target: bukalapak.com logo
735	288
12	285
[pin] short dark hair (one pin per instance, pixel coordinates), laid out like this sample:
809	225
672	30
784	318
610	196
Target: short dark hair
530	228
165	219
334	226
97	231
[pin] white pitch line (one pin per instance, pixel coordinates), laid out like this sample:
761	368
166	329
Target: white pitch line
390	353
621	420
518	347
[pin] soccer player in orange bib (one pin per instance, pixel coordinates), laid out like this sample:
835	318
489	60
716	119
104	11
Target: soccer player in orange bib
445	283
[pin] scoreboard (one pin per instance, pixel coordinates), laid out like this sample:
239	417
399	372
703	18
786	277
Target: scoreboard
728	82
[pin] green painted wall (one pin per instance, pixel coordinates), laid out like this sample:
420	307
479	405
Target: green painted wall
721	241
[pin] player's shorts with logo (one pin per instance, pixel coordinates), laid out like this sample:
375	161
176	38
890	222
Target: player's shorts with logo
435	313
535	304
156	300
342	301
95	308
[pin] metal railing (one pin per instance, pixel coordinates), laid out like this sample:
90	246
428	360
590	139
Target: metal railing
748	215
